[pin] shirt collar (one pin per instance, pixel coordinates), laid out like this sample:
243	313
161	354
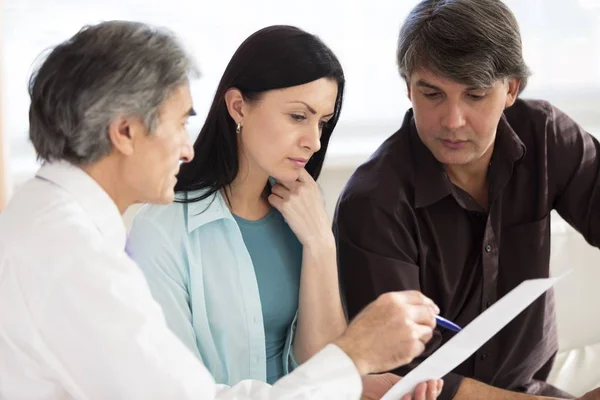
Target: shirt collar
431	181
509	149
204	211
509	144
90	196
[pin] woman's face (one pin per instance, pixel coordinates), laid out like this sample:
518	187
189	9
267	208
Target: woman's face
282	129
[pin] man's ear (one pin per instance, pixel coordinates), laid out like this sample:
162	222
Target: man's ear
512	93
124	131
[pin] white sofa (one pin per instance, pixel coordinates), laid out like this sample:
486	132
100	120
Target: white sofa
577	368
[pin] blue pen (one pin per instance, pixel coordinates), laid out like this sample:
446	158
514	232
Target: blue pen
443	322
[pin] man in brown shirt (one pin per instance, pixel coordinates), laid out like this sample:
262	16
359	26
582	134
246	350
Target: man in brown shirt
457	202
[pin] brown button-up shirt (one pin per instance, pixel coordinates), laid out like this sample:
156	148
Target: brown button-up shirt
401	224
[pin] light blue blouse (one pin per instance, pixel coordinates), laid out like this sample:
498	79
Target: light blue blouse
200	272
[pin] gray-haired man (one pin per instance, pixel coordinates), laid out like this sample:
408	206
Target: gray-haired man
77	320
457	202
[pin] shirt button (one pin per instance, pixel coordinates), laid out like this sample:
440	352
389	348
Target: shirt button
488	248
483	356
488	304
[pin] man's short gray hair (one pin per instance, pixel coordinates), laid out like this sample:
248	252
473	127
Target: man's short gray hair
112	69
473	42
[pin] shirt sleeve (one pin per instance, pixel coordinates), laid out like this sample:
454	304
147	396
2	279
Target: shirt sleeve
377	253
107	338
574	170
330	374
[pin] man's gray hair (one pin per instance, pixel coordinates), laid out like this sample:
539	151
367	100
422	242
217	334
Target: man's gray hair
473	42
112	69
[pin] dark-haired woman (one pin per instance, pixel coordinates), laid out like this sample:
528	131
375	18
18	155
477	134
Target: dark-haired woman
244	262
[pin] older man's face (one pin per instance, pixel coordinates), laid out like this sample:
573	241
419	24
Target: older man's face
157	156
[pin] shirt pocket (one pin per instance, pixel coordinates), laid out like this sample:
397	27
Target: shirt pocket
525	251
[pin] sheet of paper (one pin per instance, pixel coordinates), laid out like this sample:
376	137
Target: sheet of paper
473	336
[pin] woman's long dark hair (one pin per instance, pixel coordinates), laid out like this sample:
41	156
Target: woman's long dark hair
275	57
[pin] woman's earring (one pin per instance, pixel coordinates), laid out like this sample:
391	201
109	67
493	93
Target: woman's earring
238	128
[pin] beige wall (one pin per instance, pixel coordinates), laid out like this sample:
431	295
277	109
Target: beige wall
3	166
3	147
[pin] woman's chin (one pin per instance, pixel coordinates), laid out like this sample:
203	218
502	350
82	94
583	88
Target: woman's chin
286	176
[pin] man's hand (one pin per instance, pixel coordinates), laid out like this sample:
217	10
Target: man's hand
375	386
389	332
593	395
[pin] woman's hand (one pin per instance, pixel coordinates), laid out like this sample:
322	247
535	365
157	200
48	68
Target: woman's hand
301	204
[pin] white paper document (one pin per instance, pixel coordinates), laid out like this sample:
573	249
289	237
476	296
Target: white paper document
472	337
